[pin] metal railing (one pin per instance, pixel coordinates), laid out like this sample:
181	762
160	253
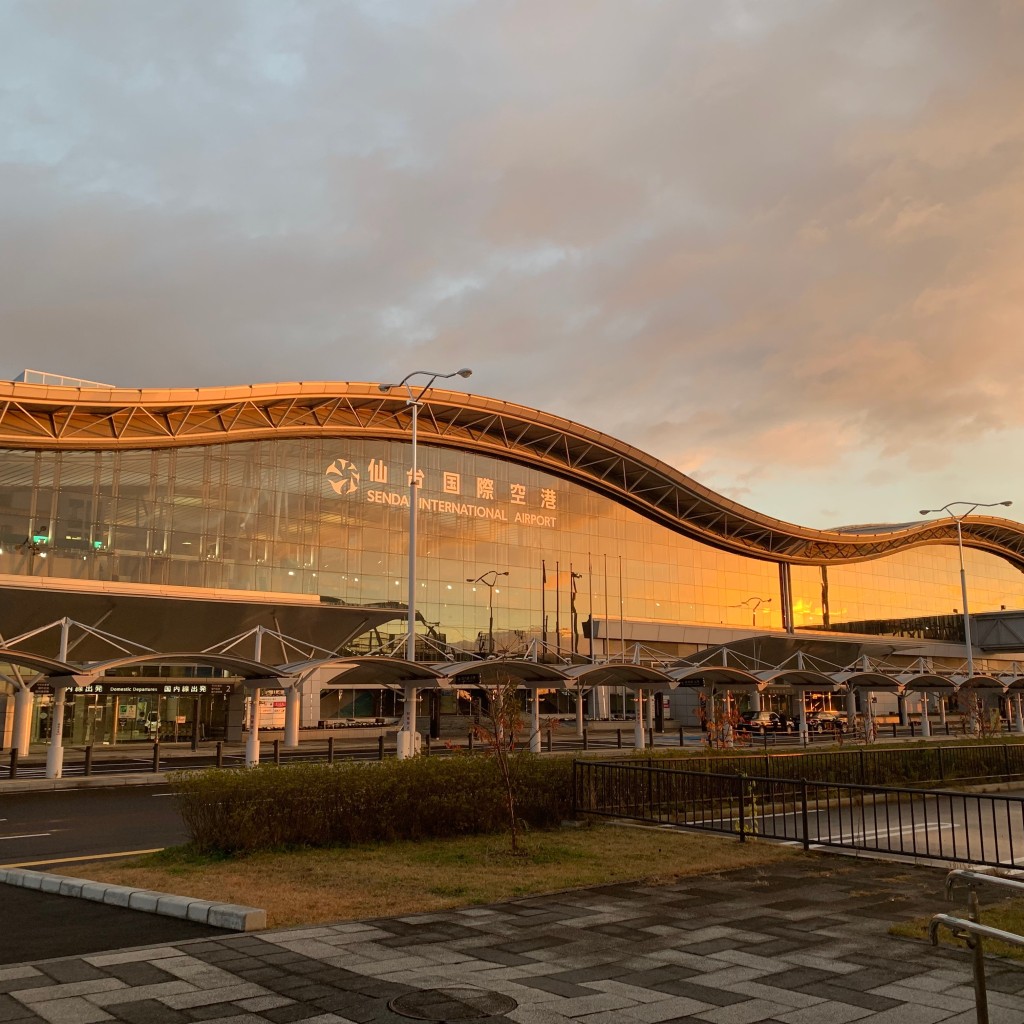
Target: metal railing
972	931
943	825
870	767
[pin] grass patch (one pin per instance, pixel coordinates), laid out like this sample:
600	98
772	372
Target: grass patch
1007	915
312	886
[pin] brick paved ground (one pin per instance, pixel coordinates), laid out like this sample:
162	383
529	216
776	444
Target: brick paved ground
803	943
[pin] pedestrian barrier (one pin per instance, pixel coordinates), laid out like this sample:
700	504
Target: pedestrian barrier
933	824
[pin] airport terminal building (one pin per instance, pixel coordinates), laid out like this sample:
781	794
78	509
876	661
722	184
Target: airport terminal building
162	533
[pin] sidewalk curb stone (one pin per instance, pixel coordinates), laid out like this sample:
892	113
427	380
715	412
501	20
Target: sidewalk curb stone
229	916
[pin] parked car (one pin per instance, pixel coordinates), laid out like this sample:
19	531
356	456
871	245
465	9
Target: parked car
765	721
826	721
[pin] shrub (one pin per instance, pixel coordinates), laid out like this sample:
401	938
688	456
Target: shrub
272	806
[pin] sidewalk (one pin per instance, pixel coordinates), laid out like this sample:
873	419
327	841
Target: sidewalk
803	943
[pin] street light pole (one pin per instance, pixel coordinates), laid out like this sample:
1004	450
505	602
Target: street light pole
406	735
963	572
489	584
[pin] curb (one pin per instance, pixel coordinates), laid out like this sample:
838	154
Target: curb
229	916
99	781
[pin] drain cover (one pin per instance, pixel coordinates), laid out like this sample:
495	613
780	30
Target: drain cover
457	1002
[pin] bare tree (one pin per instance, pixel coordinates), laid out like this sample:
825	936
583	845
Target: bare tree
500	729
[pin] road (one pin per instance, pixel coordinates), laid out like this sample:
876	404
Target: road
48	829
961	827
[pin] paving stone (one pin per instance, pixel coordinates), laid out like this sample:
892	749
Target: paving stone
72	1010
149	1011
11	1009
826	1013
750	1011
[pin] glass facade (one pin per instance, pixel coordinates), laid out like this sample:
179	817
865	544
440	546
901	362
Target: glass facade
330	517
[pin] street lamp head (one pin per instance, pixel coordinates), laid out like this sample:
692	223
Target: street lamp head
464	372
1006	503
925	511
385	387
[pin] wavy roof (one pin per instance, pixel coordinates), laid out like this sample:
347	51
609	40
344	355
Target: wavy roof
68	418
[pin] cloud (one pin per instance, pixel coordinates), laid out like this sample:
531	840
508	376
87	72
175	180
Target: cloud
765	242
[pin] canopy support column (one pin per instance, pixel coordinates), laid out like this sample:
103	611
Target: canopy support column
638	725
535	722
851	708
22	732
55	751
292	707
1018	701
252	743
926	725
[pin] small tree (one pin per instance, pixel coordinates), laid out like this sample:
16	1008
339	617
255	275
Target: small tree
500	729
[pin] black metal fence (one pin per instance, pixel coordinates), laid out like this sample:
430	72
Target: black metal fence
945	825
865	766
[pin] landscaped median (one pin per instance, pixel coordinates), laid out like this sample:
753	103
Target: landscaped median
315	843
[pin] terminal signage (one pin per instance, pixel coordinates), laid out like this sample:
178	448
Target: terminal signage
161	689
475	497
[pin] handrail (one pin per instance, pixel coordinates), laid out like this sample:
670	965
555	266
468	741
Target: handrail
972	931
959	925
973	878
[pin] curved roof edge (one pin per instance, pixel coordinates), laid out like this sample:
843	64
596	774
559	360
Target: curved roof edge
36	416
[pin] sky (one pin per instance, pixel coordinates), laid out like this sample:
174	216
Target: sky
779	245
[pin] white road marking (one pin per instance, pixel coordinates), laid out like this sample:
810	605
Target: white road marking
29	835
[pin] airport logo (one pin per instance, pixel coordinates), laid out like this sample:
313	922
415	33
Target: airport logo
343	476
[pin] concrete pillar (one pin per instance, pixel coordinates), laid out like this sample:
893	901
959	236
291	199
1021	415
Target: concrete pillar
252	743
535	721
55	751
901	707
407	738
802	705
851	708
293	703
869	716
649	712
942	708
1018	701
638	725
755	700
21	734
926	725
604	703
581	706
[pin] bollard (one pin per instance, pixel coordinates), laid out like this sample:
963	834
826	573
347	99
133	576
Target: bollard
650	737
277	751
549	739
14	762
156	756
680	735
947	728
911	728
330	750
195	737
380	747
618	738
428	743
894	730
471	741
220	753
585	744
88	760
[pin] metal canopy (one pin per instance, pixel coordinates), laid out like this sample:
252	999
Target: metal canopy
176	618
634	677
530	674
